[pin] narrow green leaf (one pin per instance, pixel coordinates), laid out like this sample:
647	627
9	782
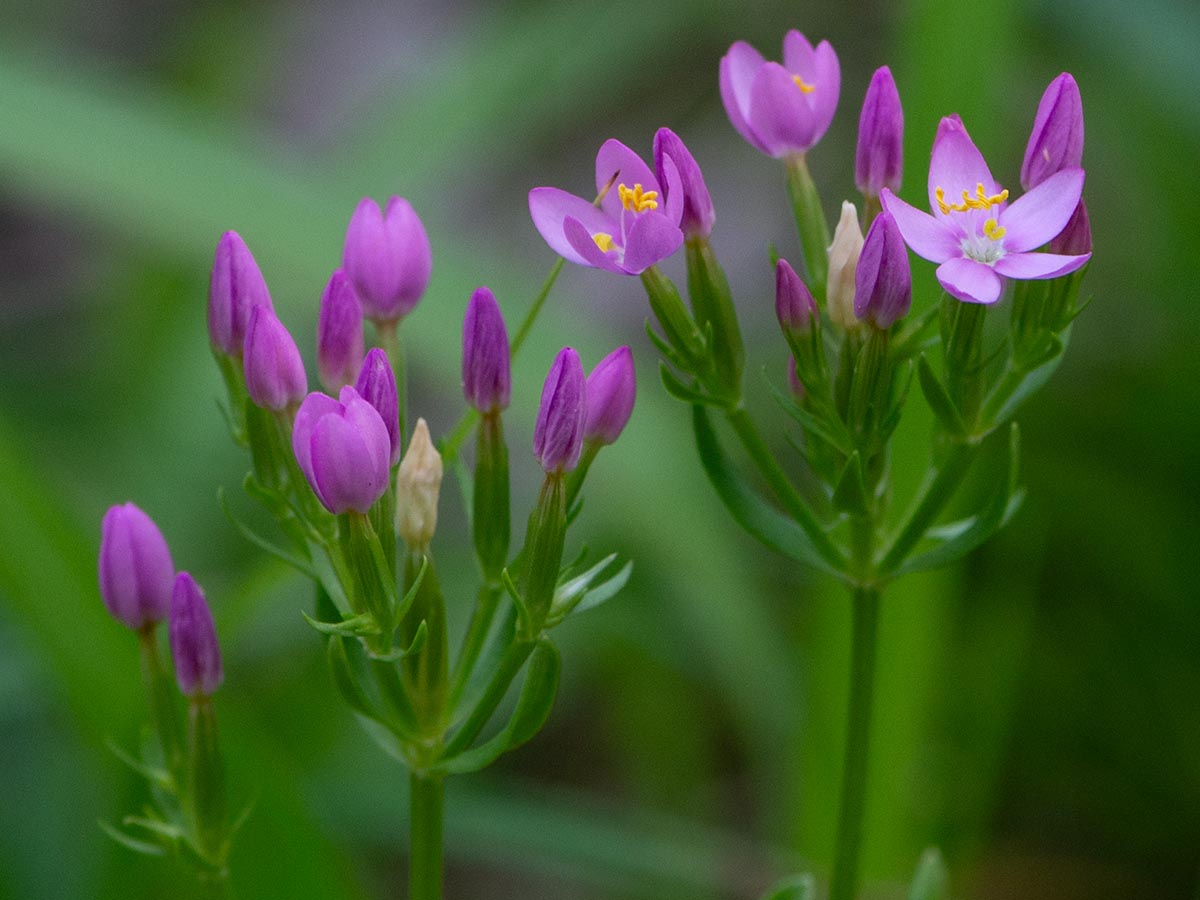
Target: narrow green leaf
938	399
410	595
533	708
346	680
518	601
668	352
300	565
797	887
414	647
850	495
356	626
833	433
131	843
765	523
931	880
680	391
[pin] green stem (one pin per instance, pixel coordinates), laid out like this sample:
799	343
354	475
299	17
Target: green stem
160	692
999	396
856	754
426	804
931	500
510	664
473	641
810	222
785	491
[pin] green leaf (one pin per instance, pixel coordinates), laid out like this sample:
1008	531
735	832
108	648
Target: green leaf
129	842
937	398
585	592
963	537
765	523
680	391
157	776
300	565
669	353
931	880
850	495
796	887
1046	365
414	647
357	626
410	595
533	708
833	433
518	601
346	679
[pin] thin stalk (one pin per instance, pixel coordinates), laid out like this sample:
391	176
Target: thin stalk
426	804
844	883
473	641
810	222
160	693
510	664
795	505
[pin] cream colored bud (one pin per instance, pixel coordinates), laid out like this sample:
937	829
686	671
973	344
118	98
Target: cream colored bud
843	260
418	483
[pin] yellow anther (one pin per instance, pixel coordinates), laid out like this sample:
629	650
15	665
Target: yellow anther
603	241
981	200
804	86
992	229
636	199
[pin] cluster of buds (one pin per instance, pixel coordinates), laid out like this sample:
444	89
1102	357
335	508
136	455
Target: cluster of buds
140	588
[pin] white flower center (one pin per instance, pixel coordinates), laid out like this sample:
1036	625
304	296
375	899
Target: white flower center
986	246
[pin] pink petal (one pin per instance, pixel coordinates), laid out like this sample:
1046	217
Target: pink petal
1042	213
969	280
1038	265
799	57
673	209
781	113
828	82
585	247
738	68
652	238
549	207
341	478
929	237
956	164
312	409
615	158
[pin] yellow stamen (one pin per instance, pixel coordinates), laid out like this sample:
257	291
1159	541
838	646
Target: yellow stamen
603	241
981	200
992	229
804	86
636	199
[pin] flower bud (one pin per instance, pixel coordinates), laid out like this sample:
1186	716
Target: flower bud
1056	142
339	333
883	279
1076	237
558	434
387	256
194	640
275	376
377	385
343	449
698	214
418	482
794	304
486	378
611	389
136	571
235	288
843	260
879	156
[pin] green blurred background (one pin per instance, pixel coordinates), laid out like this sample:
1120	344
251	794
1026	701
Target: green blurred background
1039	713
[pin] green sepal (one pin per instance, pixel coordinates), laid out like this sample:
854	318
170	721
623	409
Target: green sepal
681	391
796	887
850	495
533	708
668	352
300	565
938	399
930	881
713	304
758	517
510	588
362	625
679	329
418	642
810	223
129	842
544	541
960	538
491	511
587	590
204	791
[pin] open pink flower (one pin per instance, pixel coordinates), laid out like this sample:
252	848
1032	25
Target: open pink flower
636	224
978	238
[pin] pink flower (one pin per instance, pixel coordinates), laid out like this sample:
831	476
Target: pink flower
978	238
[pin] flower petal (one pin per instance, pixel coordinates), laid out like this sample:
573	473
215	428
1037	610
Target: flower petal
799	58
1042	213
1038	265
673	209
929	237
312	409
738	68
342	478
828	83
780	112
585	247
652	238
549	207
615	159
956	164
969	280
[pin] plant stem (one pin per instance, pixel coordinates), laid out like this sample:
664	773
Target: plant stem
810	222
536	307
163	711
426	802
510	664
473	640
856	753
